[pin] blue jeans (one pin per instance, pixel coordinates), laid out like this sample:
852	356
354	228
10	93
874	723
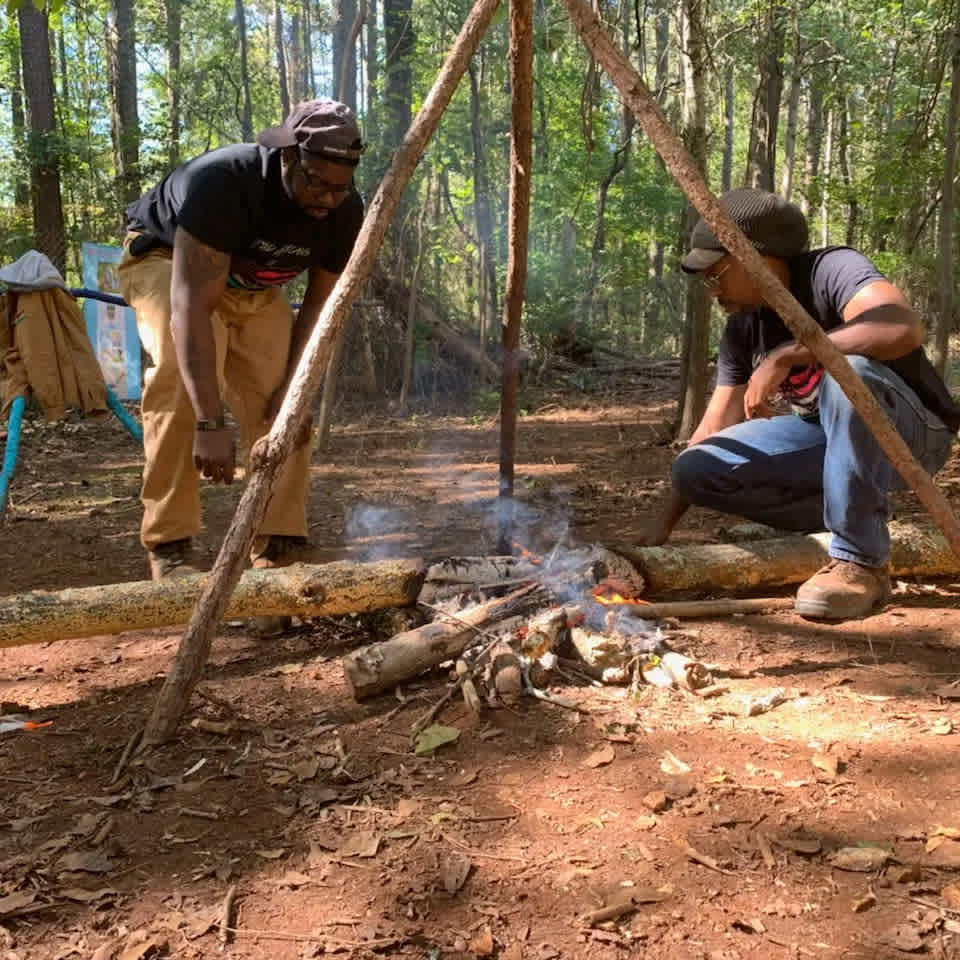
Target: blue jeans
813	473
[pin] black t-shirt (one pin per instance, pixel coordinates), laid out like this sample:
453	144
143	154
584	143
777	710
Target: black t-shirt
822	281
233	199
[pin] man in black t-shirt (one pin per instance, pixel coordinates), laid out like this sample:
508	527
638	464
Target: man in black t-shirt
206	255
821	466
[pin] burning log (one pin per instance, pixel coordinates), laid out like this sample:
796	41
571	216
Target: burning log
457	575
381	666
303	589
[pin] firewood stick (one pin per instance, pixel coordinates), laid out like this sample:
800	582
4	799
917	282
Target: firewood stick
270	453
708	608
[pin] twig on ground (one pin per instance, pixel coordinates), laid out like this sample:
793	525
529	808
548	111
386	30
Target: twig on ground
128	750
532	691
226	915
313	938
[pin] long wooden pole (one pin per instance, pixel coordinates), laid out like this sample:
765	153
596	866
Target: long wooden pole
269	453
521	162
806	330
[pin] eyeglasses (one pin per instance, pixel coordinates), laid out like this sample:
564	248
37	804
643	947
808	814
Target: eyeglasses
712	281
321	186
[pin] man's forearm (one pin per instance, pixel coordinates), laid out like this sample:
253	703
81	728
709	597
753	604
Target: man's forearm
197	358
878	339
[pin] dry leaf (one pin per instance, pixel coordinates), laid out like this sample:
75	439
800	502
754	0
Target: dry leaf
80	895
808	846
407	807
947	692
655	801
105	951
89	861
434	737
280	778
306	769
754	925
904	937
143	947
601	757
645	823
363	843
828	763
942	727
16	901
270	854
673	765
867	901
454	872
294	879
952	895
860	859
482	945
911	874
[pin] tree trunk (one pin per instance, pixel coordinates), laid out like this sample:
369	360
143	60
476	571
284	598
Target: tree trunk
309	78
295	60
302	590
281	59
400	40
43	144
18	121
246	115
762	150
729	116
827	171
843	161
814	145
269	454
409	335
806	330
350	17
328	398
521	169
373	67
174	15
487	274
693	396
790	138
944	322
123	68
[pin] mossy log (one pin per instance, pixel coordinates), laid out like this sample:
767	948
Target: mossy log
740	567
305	590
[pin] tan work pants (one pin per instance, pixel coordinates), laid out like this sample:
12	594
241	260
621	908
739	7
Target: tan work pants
252	330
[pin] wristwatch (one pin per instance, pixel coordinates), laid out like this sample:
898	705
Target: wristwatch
219	424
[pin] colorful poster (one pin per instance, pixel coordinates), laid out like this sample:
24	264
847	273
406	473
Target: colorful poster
112	329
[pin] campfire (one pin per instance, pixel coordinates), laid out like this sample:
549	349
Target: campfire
518	625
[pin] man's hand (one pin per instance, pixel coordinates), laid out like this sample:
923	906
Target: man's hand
215	454
765	382
273	408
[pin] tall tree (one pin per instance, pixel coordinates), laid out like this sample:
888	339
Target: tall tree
246	106
693	369
174	21
18	123
43	142
123	74
483	216
944	323
281	59
400	37
346	29
762	149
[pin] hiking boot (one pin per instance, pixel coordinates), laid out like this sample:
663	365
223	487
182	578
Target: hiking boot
268	552
171	559
843	591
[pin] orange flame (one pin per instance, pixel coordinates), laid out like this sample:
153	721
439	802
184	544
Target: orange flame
526	554
608	594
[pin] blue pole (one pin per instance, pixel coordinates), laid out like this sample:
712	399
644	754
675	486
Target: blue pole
12	449
133	428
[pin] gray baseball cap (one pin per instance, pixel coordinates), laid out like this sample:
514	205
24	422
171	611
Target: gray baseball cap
774	226
321	126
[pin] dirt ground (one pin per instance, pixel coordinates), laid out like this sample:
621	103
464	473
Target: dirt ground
336	838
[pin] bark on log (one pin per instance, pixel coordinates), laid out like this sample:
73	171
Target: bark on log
304	590
455	575
806	330
709	608
730	567
269	454
381	666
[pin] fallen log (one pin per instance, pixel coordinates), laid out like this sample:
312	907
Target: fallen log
305	590
381	666
727	567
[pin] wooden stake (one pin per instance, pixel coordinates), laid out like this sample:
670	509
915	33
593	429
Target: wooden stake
269	454
521	161
806	330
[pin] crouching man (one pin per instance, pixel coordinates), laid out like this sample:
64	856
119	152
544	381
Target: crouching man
819	468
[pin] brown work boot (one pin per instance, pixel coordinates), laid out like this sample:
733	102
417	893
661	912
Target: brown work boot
171	559
843	591
269	552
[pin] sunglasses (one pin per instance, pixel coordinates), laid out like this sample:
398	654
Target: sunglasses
321	186
712	281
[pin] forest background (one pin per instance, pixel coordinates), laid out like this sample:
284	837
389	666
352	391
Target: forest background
849	109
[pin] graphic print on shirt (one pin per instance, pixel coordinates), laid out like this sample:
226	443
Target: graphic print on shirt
267	265
800	388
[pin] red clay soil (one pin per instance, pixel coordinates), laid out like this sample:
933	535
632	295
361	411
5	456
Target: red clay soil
713	833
